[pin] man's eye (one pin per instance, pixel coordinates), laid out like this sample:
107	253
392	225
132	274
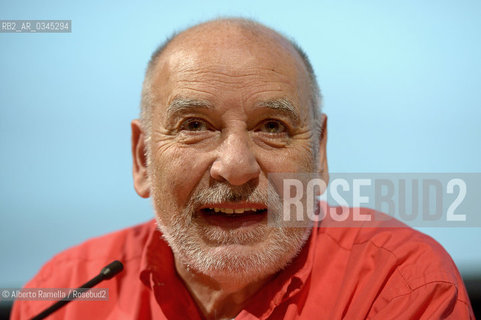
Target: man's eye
272	126
194	125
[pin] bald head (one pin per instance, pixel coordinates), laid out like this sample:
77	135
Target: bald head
233	42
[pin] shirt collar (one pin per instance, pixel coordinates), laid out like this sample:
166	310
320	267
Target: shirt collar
157	272
157	257
287	283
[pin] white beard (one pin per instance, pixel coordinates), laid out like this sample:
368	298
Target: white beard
233	254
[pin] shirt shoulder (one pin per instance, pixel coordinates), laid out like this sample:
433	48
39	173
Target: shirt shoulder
389	262
75	266
92	255
417	256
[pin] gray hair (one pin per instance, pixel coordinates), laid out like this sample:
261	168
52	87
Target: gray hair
146	103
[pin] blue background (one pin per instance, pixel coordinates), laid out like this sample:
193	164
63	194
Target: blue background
401	81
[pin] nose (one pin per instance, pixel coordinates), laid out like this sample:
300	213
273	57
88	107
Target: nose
235	163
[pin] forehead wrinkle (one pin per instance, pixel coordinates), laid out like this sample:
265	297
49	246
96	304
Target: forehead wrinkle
234	78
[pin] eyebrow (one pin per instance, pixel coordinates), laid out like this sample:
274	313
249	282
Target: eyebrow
181	104
282	105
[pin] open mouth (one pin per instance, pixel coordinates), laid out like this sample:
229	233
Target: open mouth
233	213
234	216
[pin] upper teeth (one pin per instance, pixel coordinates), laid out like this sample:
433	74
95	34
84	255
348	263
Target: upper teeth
232	211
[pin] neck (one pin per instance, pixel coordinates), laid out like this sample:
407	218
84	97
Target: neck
219	298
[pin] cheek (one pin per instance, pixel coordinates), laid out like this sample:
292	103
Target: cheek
178	171
298	159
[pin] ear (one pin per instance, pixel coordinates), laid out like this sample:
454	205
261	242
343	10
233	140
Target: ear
141	178
323	169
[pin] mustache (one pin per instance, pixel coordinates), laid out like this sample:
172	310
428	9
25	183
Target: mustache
222	192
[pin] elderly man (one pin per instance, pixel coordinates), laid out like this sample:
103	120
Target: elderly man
224	104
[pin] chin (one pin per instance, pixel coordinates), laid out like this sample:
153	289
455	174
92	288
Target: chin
242	257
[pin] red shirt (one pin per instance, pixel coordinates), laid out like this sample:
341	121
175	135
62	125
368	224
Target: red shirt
379	271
